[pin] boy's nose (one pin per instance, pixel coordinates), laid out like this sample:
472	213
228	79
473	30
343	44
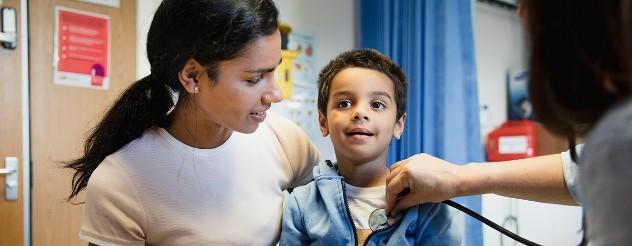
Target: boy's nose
360	114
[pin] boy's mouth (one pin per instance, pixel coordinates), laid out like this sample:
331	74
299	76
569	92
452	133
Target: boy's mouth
359	132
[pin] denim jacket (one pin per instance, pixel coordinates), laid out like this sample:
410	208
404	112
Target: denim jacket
318	214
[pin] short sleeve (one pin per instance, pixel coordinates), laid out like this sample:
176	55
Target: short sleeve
113	214
571	171
298	148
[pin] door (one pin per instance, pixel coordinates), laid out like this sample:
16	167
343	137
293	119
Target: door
11	212
61	116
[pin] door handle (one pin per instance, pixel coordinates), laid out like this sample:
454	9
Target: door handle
11	179
7	170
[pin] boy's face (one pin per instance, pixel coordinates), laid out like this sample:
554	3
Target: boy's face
361	114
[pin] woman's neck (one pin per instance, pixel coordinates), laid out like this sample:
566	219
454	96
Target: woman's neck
193	130
364	174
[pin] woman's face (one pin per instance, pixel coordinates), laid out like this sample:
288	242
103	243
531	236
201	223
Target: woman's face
244	87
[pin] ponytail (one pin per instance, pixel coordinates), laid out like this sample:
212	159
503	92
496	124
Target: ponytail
144	104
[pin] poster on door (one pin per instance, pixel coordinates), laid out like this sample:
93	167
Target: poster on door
82	49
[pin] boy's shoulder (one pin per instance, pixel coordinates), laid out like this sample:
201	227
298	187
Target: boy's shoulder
325	170
431	211
430	223
303	191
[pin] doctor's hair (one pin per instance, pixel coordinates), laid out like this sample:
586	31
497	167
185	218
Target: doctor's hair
207	31
580	60
363	58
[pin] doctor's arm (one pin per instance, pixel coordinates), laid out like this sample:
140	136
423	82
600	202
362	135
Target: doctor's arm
430	179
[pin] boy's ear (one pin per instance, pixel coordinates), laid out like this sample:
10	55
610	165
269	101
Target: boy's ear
322	120
189	74
399	127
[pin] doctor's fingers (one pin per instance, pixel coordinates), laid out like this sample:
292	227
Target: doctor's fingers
394	187
402	204
394	171
404	164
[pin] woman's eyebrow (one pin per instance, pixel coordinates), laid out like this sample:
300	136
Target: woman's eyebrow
265	69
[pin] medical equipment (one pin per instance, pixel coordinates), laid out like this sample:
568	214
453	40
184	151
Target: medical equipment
481	219
490	223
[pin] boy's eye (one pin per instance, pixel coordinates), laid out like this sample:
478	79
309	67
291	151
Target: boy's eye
343	104
378	105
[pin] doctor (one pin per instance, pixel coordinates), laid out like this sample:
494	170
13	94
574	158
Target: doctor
581	86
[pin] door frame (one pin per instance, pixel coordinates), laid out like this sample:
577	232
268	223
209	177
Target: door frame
26	119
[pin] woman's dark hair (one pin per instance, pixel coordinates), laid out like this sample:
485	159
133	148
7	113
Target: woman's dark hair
580	60
208	31
364	58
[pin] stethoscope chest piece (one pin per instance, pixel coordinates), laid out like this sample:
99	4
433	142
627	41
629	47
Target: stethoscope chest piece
378	220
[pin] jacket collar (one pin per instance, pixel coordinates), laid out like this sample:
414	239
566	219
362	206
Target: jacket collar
326	169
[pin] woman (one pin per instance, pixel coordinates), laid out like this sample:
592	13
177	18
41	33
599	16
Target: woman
581	86
209	168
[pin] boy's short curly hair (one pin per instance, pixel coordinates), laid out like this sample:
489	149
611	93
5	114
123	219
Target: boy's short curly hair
363	58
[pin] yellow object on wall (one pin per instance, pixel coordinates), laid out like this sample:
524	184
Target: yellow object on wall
283	72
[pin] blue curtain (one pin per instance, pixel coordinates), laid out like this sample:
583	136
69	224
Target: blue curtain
432	40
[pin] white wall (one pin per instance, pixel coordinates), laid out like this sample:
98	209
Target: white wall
331	22
499	48
144	13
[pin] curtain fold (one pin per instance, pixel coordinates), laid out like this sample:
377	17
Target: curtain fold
433	42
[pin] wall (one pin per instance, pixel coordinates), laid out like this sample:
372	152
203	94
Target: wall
500	48
144	13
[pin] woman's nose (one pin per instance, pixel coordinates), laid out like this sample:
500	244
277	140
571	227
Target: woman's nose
273	93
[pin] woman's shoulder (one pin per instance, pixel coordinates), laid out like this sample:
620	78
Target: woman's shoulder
109	176
608	145
279	123
615	127
143	150
119	171
151	139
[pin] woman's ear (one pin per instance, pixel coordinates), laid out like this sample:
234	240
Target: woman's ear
399	126
322	120
189	75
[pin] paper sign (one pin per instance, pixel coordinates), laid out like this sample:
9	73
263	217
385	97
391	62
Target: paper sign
82	49
513	145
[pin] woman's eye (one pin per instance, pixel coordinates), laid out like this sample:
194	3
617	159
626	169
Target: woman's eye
378	105
344	104
255	80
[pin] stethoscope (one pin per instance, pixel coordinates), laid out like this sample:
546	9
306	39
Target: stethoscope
378	220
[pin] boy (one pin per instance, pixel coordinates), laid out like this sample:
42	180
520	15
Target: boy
361	104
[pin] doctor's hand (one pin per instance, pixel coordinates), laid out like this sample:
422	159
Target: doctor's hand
419	179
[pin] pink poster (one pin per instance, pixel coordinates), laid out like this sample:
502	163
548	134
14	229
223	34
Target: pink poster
82	49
